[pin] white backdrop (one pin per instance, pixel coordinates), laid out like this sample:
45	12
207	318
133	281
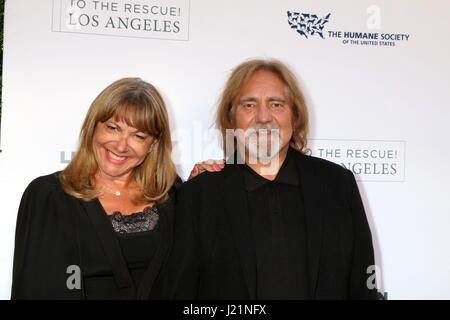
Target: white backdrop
378	106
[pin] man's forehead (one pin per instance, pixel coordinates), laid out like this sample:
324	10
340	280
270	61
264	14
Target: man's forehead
256	98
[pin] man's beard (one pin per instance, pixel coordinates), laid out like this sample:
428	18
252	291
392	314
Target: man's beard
263	142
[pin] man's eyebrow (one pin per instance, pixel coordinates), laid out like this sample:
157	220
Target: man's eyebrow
278	99
254	99
247	99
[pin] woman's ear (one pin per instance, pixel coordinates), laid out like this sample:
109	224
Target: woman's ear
152	146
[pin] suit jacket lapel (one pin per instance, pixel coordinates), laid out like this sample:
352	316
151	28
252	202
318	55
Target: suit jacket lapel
111	248
166	211
313	192
235	201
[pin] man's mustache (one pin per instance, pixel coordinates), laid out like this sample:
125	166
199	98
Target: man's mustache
265	129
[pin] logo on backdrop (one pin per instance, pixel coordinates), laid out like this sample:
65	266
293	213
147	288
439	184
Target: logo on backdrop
307	24
158	19
311	25
369	160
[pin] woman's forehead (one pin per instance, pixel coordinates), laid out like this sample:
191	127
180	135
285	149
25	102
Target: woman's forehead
126	123
136	116
131	116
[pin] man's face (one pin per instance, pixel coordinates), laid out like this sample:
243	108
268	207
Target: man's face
263	110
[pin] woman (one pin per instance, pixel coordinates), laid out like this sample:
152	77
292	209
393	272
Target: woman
102	228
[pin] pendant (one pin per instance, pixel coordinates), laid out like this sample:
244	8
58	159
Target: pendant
117	193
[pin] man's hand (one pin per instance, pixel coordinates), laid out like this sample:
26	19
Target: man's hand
208	165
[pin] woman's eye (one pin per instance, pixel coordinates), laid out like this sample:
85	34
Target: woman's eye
111	127
140	137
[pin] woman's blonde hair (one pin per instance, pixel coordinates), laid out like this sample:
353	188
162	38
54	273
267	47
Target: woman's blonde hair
139	104
240	76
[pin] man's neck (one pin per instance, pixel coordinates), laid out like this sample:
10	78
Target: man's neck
268	170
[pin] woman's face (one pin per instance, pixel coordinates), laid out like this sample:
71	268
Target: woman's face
119	148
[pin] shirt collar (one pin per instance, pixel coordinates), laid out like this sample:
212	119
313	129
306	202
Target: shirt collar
287	174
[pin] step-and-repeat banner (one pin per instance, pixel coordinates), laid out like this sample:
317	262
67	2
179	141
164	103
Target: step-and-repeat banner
376	76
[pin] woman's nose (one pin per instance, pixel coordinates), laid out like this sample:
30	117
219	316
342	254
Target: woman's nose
122	143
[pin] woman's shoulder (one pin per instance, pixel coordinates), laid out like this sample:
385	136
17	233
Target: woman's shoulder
41	203
172	194
45	183
50	179
178	182
175	186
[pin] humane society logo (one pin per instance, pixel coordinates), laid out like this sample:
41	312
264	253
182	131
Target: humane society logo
310	25
307	24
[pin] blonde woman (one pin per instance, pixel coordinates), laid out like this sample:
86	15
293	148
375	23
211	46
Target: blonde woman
102	227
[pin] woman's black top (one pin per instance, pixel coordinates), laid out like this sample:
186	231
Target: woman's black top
67	248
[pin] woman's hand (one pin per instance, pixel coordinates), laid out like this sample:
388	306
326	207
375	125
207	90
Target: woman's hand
208	165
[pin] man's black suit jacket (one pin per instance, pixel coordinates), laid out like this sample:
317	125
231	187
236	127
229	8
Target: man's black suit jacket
213	255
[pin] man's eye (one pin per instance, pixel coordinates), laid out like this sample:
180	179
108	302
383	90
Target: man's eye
277	104
248	105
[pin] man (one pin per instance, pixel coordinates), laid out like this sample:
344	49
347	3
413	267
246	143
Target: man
274	223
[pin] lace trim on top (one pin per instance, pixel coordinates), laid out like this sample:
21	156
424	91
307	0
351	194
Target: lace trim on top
136	222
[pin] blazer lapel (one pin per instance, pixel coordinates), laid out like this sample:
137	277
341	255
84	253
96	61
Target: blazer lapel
111	248
235	201
165	221
313	192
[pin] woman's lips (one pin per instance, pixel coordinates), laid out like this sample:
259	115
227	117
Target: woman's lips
114	158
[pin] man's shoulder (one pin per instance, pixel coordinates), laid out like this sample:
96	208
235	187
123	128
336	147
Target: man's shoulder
320	166
317	162
206	180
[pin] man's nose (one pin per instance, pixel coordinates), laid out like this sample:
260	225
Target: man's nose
263	114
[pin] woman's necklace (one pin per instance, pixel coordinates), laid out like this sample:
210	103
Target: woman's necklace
117	193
